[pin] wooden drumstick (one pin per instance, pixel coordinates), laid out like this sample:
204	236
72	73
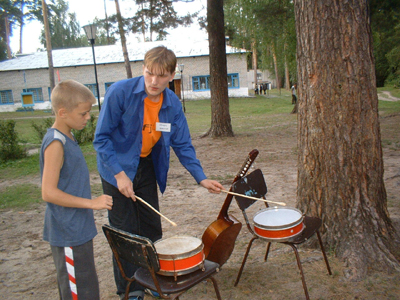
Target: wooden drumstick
253	198
144	202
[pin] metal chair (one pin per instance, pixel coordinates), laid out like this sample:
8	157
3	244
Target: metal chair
141	252
254	184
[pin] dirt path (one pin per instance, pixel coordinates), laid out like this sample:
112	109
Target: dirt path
387	96
27	271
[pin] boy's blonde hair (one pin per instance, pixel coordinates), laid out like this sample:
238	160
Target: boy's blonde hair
160	58
69	93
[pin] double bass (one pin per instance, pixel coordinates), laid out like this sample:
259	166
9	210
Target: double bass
220	236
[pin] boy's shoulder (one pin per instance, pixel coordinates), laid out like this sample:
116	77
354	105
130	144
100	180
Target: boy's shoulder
54	134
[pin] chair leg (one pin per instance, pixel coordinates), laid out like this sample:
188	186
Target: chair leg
244	261
267	252
127	290
296	253
323	253
215	284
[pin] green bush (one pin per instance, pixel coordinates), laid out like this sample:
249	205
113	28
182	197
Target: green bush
86	135
41	129
9	147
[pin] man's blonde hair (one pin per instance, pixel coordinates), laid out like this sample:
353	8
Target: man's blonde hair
69	94
160	58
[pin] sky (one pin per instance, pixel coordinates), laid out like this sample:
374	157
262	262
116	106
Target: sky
87	10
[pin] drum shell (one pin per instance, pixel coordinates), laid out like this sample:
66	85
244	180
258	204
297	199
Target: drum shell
291	224
180	262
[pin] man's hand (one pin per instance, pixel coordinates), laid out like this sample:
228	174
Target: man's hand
125	185
212	186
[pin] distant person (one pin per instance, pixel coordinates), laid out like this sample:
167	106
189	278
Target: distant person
140	121
264	86
294	97
69	223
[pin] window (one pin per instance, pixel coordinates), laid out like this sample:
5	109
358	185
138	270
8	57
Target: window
202	83
233	81
37	94
6	97
92	87
108	84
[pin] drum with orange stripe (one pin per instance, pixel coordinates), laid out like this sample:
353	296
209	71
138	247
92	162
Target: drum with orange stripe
179	255
278	223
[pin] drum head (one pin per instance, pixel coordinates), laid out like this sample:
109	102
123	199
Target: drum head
276	218
177	245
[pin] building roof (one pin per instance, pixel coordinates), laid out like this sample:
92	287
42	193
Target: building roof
106	55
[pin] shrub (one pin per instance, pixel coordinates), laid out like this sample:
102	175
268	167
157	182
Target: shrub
85	135
41	129
9	147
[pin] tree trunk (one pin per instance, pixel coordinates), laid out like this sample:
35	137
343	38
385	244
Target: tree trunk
340	175
21	26
255	64
287	79
220	117
48	45
7	26
278	83
123	41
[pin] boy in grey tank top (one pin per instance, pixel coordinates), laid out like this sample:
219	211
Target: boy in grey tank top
69	223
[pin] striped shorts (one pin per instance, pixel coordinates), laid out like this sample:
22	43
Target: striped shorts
76	272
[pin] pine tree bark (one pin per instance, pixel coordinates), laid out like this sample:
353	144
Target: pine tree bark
49	48
220	117
127	63
340	173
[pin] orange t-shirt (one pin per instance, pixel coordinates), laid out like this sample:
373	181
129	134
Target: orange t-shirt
149	134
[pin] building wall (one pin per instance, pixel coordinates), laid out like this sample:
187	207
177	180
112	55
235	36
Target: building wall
106	73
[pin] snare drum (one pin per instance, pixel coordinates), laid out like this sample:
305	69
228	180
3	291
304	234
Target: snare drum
179	255
278	223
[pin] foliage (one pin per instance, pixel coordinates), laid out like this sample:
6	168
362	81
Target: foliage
9	16
9	147
151	20
86	135
41	129
385	24
271	25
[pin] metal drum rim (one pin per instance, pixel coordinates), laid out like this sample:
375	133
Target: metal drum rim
276	228
179	256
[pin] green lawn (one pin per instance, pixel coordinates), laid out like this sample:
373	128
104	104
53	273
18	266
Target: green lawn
247	114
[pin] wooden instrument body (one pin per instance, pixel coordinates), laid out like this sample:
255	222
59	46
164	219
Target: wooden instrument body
220	236
219	239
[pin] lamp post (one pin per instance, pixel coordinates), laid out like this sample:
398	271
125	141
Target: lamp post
90	31
181	67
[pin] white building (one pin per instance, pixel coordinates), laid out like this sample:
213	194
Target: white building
29	73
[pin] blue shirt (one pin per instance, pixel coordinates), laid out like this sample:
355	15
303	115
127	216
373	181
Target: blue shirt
118	137
68	226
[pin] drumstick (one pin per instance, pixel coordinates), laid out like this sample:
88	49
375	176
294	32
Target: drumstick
144	202
254	198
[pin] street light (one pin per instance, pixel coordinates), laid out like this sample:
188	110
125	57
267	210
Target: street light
181	67
90	31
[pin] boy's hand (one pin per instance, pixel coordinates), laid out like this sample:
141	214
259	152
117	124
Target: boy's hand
212	186
102	202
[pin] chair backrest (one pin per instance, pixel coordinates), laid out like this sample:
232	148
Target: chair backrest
132	248
252	185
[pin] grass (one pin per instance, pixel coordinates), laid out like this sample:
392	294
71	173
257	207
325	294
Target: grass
395	92
20	196
247	115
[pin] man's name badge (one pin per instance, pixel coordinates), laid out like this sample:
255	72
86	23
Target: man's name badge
164	127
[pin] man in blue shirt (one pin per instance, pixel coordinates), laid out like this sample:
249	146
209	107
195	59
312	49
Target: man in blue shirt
140	120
